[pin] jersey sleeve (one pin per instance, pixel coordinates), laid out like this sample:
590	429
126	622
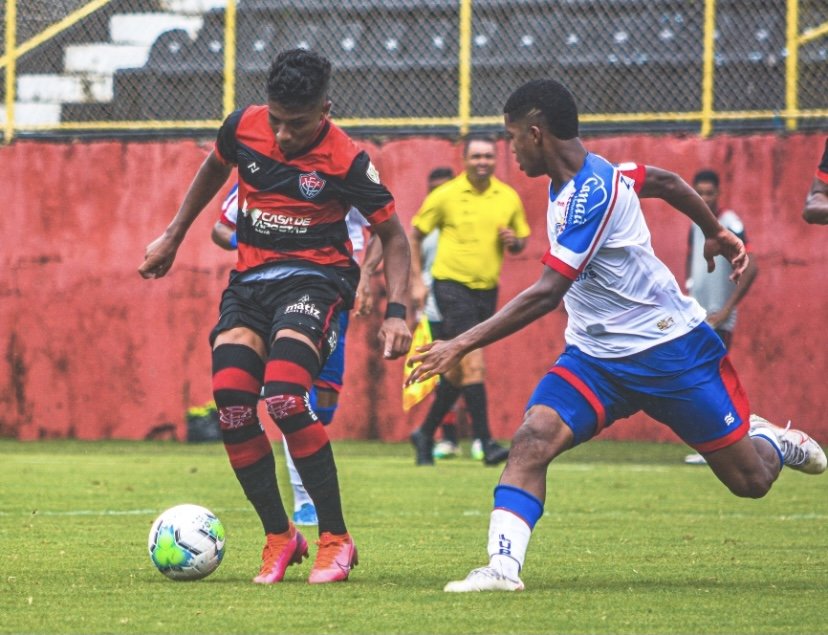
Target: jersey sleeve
428	217
365	191
226	145
822	170
585	228
230	208
636	172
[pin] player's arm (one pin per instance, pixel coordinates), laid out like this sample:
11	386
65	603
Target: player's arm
370	263
738	294
395	251
815	211
419	291
671	188
208	180
529	305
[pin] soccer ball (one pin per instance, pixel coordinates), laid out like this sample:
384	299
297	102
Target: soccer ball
186	542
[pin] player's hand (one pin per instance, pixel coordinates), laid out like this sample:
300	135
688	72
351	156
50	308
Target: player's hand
507	237
159	257
729	245
717	318
364	297
435	358
395	338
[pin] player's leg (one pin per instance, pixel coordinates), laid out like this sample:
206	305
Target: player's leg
445	396
482	304
304	332
475	397
324	400
569	406
706	405
449	445
238	371
696	458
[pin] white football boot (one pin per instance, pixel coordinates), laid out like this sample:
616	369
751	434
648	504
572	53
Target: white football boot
484	579
799	450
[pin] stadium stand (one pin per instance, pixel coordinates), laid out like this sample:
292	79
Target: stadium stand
398	58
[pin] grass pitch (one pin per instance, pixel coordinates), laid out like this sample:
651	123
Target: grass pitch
632	541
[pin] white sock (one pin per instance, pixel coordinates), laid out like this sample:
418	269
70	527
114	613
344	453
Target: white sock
300	494
508	539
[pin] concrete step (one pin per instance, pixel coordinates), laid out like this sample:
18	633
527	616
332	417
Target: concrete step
104	58
66	89
143	28
32	114
192	7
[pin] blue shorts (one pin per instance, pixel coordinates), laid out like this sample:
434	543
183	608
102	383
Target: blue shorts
330	377
688	384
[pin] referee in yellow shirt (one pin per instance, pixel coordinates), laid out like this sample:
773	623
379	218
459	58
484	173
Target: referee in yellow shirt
479	217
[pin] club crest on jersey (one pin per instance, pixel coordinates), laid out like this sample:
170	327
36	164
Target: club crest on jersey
372	173
310	184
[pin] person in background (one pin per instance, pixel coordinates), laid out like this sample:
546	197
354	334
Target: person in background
815	210
449	445
479	218
324	393
714	290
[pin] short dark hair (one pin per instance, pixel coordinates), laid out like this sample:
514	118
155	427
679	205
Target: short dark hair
298	78
549	98
706	176
476	136
441	173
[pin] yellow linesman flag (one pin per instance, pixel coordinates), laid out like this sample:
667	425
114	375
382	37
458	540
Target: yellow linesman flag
415	393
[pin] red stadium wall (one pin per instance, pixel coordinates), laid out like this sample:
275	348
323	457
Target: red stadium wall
90	350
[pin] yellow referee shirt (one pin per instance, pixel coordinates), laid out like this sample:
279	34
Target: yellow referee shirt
469	250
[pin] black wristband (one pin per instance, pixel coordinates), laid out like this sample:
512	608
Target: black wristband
395	310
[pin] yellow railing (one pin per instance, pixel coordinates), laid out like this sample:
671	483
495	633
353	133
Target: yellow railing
465	119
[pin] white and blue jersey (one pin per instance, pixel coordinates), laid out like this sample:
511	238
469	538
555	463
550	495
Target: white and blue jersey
634	341
623	299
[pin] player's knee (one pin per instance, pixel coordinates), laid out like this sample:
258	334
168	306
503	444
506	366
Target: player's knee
541	437
324	404
283	407
236	417
754	485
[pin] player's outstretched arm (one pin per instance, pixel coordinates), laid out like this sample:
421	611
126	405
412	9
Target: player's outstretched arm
815	211
394	332
671	188
161	252
526	307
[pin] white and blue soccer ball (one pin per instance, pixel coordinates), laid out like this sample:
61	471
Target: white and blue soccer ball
186	542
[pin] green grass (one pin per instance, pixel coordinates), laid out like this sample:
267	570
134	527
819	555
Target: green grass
632	541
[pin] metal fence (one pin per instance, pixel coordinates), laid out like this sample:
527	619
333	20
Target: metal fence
405	66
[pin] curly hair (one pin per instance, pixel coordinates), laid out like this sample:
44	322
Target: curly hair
549	99
298	78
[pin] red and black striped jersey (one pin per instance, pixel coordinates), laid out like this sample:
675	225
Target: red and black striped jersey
292	208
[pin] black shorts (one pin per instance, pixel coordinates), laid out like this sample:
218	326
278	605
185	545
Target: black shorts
307	304
461	307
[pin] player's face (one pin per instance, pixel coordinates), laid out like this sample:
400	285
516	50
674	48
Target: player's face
480	159
709	193
295	129
435	183
526	150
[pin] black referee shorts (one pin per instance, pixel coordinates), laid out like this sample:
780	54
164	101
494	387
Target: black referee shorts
461	307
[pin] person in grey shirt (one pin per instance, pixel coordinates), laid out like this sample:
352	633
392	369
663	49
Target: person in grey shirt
714	290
